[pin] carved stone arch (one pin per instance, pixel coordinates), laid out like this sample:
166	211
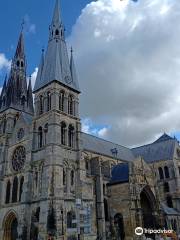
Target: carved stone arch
150	195
119	226
148	207
10	226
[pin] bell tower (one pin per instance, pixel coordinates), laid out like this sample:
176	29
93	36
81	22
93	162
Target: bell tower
57	124
15	94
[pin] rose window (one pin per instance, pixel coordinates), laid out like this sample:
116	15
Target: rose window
19	158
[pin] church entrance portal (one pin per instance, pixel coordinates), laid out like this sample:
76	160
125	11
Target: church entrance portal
148	208
119	226
10	227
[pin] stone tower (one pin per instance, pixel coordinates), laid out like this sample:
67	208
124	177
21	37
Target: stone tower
16	113
15	93
56	141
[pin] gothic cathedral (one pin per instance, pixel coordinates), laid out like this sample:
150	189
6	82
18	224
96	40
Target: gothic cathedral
57	182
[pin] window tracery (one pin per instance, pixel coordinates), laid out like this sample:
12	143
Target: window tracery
18	159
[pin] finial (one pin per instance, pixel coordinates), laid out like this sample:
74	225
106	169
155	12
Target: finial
71	50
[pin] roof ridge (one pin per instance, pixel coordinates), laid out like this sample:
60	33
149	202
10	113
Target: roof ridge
153	143
106	140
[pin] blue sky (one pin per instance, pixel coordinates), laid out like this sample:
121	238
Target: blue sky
37	15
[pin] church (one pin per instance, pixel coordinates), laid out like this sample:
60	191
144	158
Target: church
57	182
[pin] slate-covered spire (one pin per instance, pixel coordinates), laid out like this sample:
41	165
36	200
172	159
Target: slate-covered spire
56	16
40	69
15	95
73	70
56	65
20	53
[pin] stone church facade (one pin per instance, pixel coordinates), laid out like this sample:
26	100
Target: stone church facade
57	182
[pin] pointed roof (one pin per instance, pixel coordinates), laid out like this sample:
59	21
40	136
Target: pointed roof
55	66
16	94
163	138
20	47
56	16
162	149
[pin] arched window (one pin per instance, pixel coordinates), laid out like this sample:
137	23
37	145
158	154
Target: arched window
15	190
106	210
161	174
61	101
70	105
166	187
21	188
72	178
4	126
166	171
64	177
40	137
70	217
8	192
169	201
63	133
48	101
41	104
71	136
104	189
45	133
23	100
37	214
119	226
57	32
87	164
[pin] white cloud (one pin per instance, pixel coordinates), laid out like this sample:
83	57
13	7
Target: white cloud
89	127
32	28
128	59
4	62
29	26
33	76
0	90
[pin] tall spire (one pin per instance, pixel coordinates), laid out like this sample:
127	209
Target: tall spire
56	65
16	88
56	16
20	47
